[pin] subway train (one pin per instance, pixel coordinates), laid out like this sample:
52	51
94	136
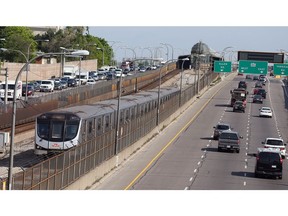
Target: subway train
63	129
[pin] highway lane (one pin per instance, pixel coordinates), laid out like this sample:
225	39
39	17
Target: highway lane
192	162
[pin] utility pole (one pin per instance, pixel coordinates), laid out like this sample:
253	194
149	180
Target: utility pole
6	86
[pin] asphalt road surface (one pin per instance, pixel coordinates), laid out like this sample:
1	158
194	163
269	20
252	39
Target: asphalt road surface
184	156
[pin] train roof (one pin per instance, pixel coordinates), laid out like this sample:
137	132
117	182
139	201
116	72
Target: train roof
109	106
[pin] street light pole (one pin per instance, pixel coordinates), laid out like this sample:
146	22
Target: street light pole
113	42
223	52
11	156
167	50
28	68
181	78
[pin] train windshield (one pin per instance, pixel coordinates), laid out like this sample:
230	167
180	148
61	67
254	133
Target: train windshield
71	130
57	130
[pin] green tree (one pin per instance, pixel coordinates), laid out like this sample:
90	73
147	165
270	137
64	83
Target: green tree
17	38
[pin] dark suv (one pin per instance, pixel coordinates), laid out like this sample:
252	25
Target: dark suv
239	106
242	84
268	163
262	92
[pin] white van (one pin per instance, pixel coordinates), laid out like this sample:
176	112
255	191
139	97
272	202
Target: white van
10	90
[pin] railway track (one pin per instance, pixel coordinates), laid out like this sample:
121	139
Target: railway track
22	128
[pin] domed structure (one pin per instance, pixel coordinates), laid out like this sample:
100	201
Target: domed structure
202	54
200	48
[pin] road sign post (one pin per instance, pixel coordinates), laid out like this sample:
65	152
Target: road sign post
253	67
222	66
281	69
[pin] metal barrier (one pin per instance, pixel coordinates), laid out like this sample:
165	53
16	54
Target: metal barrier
63	169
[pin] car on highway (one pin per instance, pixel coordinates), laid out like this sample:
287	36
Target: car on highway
262	92
255	77
265	112
64	84
58	86
30	90
47	86
239	106
242	84
91	81
268	163
258	84
257	99
219	128
229	141
72	83
275	143
248	76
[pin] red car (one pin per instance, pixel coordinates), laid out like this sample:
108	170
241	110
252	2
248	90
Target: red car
30	90
255	90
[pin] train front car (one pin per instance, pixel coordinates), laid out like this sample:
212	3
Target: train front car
56	131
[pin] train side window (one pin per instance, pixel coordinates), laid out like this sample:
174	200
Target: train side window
107	121
141	109
132	113
99	124
90	127
127	115
121	116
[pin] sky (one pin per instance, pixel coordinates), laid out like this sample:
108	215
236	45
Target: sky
243	25
182	39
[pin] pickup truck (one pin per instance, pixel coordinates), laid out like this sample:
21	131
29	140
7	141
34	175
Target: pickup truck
229	140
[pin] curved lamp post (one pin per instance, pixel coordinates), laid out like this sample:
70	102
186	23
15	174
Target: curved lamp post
28	56
166	44
11	156
224	50
181	77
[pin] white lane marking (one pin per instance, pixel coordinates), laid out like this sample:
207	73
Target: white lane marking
191	179
199	163
244	183
186	188
195	170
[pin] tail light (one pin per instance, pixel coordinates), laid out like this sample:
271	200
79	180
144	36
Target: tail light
282	149
281	160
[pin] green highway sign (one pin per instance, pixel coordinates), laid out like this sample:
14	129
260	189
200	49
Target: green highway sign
253	67
222	66
281	69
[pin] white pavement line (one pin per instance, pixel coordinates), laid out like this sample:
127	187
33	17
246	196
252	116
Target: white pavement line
202	156
244	183
199	163
186	188
195	170
191	179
